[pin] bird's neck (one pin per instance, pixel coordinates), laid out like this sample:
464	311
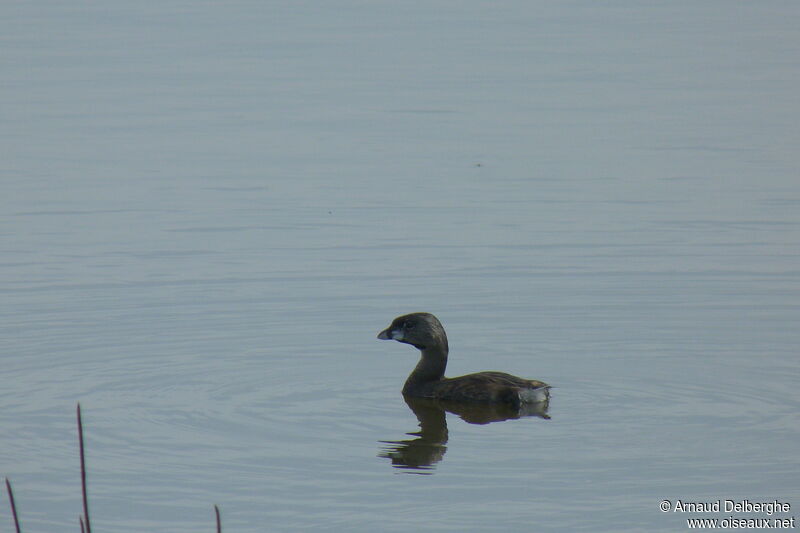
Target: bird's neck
430	368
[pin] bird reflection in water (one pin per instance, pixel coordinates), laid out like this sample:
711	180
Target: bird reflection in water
420	454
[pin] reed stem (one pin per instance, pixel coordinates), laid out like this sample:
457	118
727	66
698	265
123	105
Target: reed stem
13	505
83	475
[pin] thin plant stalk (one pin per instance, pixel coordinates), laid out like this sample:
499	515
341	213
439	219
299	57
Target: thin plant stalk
219	522
83	475
14	506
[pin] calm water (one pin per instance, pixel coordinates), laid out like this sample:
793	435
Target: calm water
209	211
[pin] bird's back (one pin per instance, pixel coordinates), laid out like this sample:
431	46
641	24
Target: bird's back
485	387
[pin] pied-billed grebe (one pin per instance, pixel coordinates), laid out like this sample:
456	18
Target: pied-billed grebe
425	332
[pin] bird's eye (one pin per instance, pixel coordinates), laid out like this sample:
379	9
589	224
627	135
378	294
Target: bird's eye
408	325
